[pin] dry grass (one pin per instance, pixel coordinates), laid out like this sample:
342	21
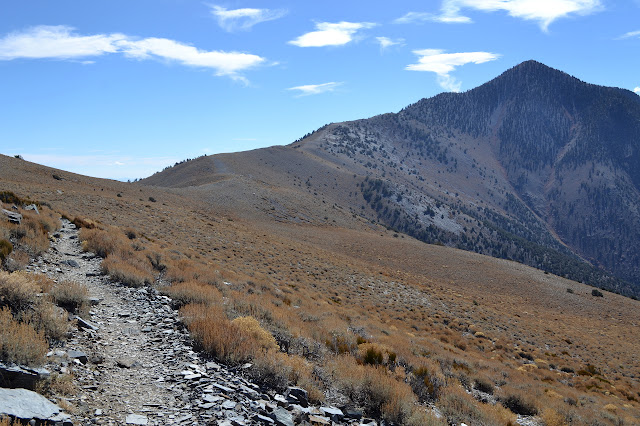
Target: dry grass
101	242
317	288
188	292
17	261
217	335
17	291
57	384
375	389
20	343
49	319
125	261
132	271
72	296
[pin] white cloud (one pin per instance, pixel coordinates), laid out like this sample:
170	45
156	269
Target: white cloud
443	64
386	42
59	42
331	34
56	42
316	89
413	17
223	63
244	19
630	34
637	90
543	11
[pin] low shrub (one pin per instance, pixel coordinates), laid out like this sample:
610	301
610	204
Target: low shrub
57	384
131	270
20	343
427	381
518	404
47	318
216	335
250	326
101	242
17	291
373	389
375	354
483	385
17	261
5	249
460	407
83	223
72	296
188	292
596	293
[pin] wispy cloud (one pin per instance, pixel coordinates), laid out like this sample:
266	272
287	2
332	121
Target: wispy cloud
630	34
56	42
223	63
542	11
331	34
316	89
443	64
416	17
386	42
637	90
61	42
244	19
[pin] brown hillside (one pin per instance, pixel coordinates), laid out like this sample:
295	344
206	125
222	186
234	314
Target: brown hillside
337	272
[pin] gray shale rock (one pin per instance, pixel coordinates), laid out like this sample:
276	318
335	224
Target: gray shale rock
13	217
26	405
79	355
16	376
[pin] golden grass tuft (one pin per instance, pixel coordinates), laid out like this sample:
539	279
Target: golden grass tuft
101	242
72	296
185	293
251	327
217	335
132	270
374	389
17	290
20	343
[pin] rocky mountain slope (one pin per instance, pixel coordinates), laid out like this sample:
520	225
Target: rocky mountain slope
534	166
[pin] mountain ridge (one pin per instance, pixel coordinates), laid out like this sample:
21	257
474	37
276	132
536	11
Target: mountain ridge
532	165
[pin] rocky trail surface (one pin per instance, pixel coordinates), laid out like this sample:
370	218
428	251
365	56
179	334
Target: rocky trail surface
133	363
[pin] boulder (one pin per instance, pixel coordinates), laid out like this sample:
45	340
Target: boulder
70	262
32	207
333	413
136	419
296	395
12	216
21	377
27	405
282	417
79	355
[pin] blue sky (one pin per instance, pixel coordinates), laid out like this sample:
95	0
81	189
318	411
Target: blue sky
121	89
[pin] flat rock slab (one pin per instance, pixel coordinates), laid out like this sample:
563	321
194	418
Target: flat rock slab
136	419
27	405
